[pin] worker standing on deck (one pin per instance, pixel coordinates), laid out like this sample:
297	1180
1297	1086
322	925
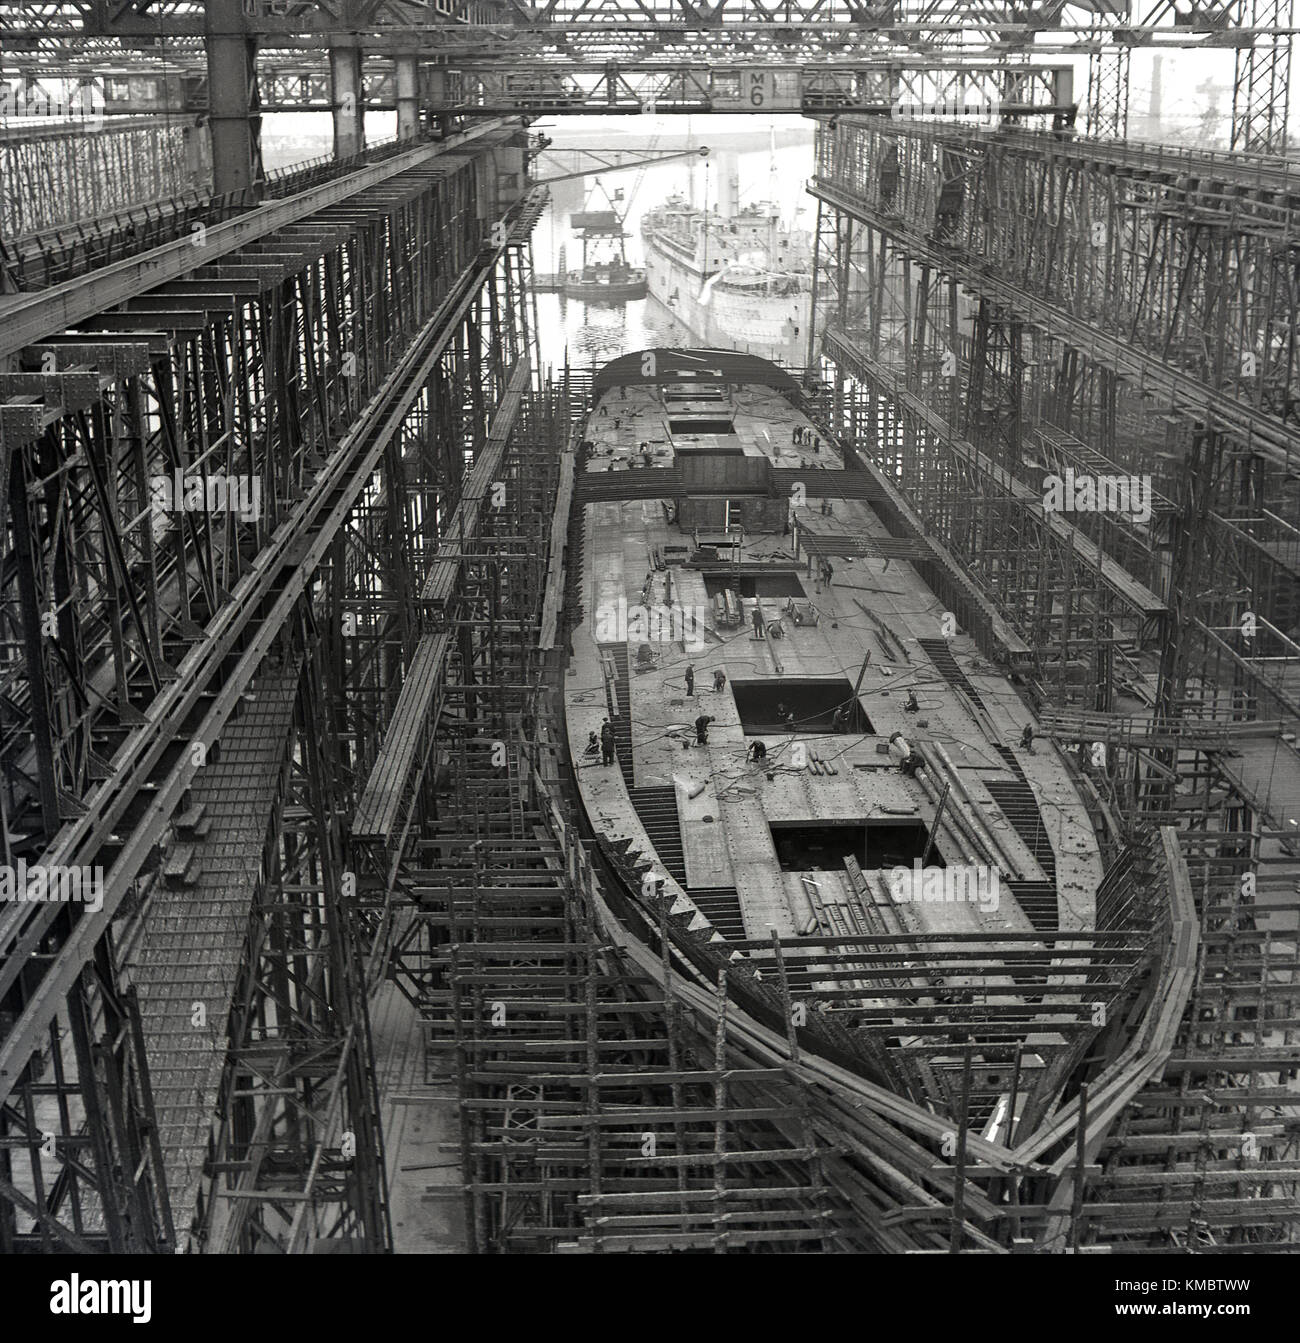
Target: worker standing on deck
1027	738
719	681
690	678
702	729
759	632
607	742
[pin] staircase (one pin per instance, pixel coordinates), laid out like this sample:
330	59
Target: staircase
1038	900
622	722
1016	799
938	651
721	906
657	808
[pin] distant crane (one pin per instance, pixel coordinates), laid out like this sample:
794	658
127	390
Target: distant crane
602	169
640	177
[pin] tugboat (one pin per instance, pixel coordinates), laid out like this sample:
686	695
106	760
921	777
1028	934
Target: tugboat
605	275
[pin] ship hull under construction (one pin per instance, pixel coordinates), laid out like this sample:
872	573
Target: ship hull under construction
806	780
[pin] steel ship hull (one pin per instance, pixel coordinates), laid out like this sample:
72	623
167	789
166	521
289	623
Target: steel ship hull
771	327
765	544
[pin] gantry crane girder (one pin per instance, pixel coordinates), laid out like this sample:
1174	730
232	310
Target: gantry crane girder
522	86
519	86
986	90
630	29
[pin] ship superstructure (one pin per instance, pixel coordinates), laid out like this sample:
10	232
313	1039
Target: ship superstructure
738	280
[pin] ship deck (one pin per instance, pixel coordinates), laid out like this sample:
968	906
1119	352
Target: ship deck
716	826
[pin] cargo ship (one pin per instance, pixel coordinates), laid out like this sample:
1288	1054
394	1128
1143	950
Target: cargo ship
736	278
808	778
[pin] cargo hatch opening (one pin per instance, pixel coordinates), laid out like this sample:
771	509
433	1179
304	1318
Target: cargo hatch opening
756	585
805	846
896	842
813	704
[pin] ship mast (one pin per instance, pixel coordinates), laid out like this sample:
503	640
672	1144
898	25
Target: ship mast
705	270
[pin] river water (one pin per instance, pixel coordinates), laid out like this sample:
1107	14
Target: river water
591	334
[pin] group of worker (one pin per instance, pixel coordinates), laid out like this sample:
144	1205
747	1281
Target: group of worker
719	679
805	438
603	745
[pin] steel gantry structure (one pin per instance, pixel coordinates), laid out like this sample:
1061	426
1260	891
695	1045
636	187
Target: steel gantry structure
1002	308
189	1063
304	737
579	55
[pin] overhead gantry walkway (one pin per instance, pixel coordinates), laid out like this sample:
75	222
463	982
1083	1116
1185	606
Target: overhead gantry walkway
330	354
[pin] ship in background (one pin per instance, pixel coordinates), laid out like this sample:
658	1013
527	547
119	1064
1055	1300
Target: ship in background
605	274
735	277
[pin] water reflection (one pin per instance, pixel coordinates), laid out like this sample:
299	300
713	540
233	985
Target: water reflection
594	333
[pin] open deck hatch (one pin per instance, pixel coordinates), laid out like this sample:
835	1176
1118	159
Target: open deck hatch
802	846
701	426
813	704
756	585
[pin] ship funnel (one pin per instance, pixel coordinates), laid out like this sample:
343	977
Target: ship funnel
728	185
